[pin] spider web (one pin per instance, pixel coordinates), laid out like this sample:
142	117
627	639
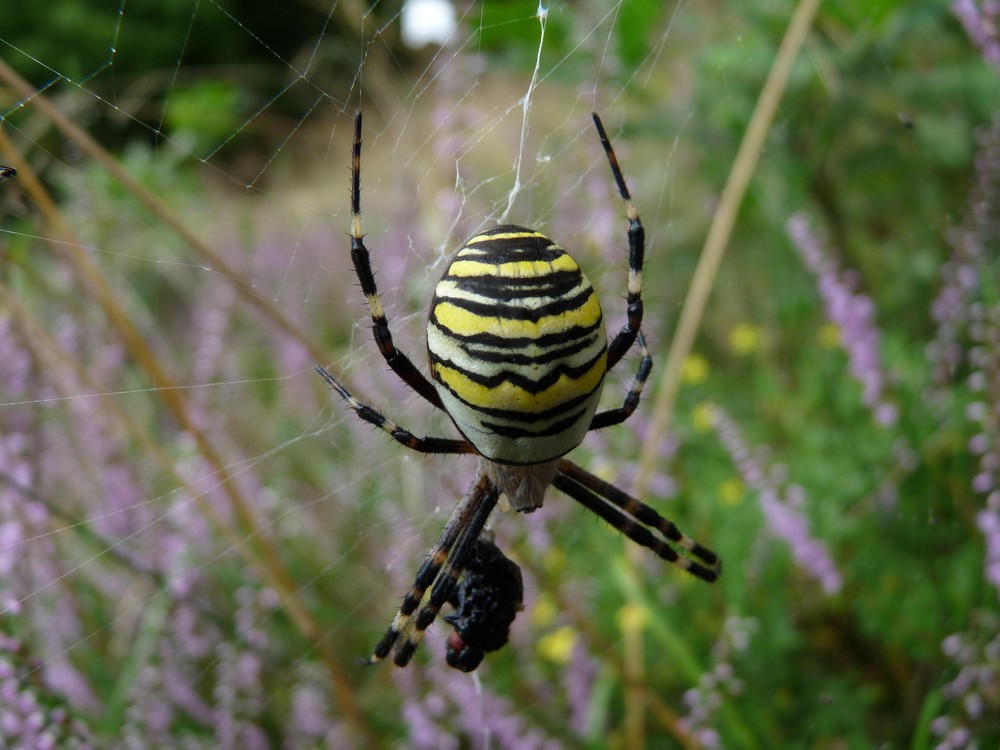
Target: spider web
190	517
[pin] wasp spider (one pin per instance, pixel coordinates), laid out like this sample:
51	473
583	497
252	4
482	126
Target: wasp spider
518	355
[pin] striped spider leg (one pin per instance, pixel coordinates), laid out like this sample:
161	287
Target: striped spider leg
622	342
632	517
401	364
441	569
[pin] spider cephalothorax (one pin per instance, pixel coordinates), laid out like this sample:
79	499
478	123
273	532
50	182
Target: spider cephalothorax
518	356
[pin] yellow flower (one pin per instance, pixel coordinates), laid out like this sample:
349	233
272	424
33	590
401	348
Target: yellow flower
732	491
554	560
632	617
829	336
544	611
704	416
745	338
557	646
695	369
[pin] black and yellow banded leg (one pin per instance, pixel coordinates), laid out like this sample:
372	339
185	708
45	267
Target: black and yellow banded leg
401	364
442	570
628	514
619	415
623	341
399	434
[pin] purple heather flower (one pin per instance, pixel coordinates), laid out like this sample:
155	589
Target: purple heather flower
213	320
972	694
472	710
26	719
176	685
852	312
579	678
15	364
969	326
424	731
984	361
988	521
957	309
720	680
980	19
782	512
310	717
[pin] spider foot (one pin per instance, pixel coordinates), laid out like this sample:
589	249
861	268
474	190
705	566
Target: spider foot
709	572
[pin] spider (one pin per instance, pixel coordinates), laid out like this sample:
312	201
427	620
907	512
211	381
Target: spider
518	354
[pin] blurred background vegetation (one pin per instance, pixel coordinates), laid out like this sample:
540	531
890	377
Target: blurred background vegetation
197	542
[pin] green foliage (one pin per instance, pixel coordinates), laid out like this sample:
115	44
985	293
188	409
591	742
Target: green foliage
206	113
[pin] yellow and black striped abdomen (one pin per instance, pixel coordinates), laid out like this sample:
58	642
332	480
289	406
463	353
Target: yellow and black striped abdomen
517	346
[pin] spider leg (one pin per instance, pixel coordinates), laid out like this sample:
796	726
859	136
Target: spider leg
399	363
425	577
619	415
442	568
448	579
627	514
399	434
623	341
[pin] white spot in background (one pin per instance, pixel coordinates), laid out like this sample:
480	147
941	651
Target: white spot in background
427	22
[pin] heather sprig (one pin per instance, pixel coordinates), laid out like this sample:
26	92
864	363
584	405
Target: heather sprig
781	502
988	523
852	312
981	18
579	681
973	694
967	313
33	716
984	414
964	275
720	682
463	707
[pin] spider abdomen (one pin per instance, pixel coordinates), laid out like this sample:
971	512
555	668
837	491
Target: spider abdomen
517	346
